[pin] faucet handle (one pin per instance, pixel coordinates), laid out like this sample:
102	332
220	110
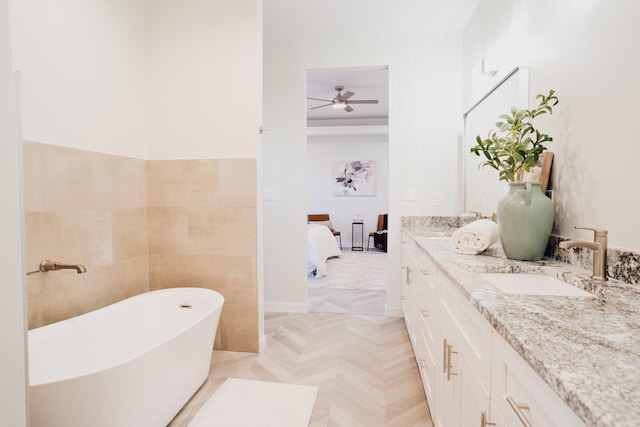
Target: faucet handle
597	232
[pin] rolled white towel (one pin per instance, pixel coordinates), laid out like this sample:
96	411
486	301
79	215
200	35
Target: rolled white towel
475	237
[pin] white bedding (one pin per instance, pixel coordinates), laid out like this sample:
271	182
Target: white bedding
321	245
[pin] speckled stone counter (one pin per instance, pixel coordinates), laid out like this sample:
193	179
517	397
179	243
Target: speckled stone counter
586	349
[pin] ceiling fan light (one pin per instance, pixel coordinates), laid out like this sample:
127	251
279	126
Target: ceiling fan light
339	105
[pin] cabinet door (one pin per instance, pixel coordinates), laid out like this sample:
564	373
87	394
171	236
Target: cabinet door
472	330
426	365
405	261
464	398
474	398
448	381
519	392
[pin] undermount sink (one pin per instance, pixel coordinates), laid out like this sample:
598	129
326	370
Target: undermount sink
533	284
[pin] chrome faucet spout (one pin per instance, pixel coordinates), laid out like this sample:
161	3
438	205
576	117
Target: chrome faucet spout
47	265
599	247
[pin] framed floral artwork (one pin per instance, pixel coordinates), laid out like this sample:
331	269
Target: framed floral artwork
354	178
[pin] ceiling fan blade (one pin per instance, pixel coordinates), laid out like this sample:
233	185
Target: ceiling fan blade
364	101
320	106
320	99
346	95
348	109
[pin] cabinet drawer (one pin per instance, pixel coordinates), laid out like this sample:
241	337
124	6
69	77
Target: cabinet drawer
515	383
421	258
426	365
428	315
470	327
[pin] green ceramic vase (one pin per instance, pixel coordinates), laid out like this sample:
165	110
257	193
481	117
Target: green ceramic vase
525	218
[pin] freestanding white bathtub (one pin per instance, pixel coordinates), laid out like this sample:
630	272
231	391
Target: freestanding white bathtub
134	363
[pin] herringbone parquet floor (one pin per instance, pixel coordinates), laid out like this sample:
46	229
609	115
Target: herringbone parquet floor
363	366
356	282
361	361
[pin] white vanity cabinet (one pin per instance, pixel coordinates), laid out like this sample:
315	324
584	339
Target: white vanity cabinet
470	374
420	313
466	352
521	396
446	344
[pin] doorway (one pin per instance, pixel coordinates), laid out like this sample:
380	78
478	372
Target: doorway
353	136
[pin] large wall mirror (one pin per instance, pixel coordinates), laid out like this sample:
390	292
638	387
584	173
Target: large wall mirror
482	187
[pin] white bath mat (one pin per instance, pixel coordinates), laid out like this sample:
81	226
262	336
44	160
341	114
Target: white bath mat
248	403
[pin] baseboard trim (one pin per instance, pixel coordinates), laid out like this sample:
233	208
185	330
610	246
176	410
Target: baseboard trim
262	344
394	311
286	307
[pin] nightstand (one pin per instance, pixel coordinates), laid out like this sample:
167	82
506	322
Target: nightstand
357	236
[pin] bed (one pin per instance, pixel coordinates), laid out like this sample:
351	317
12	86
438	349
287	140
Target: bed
321	245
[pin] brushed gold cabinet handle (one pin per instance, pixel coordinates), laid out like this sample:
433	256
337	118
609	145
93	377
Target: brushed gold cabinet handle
423	363
483	420
517	408
444	357
424	313
408	276
449	365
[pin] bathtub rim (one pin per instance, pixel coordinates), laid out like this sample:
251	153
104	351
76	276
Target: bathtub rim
217	297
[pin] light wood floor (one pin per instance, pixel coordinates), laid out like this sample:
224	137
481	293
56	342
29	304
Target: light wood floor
361	362
363	366
355	282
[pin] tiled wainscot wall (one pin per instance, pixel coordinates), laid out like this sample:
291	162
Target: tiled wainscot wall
137	226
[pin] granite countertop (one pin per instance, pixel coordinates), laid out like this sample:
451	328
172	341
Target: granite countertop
586	349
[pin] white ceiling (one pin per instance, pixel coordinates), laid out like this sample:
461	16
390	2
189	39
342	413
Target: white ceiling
330	22
303	21
365	83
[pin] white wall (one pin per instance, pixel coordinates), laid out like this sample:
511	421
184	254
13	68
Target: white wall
321	153
204	78
13	356
585	50
425	124
148	79
83	73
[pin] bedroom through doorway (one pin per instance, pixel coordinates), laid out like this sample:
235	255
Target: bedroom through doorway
348	179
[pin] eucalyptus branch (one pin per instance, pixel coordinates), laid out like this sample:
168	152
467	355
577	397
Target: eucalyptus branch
515	144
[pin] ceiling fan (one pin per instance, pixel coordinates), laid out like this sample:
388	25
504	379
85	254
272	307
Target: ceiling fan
341	101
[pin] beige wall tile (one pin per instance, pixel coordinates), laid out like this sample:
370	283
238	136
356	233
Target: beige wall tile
168	230
141	174
77	179
71	237
32	170
177	271
233	277
136	275
223	231
104	285
130	233
55	296
182	183
238	329
238	183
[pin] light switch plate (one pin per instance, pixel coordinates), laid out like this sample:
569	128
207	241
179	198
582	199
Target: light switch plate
408	194
270	194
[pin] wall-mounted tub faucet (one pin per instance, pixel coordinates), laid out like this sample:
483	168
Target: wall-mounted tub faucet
47	265
599	247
